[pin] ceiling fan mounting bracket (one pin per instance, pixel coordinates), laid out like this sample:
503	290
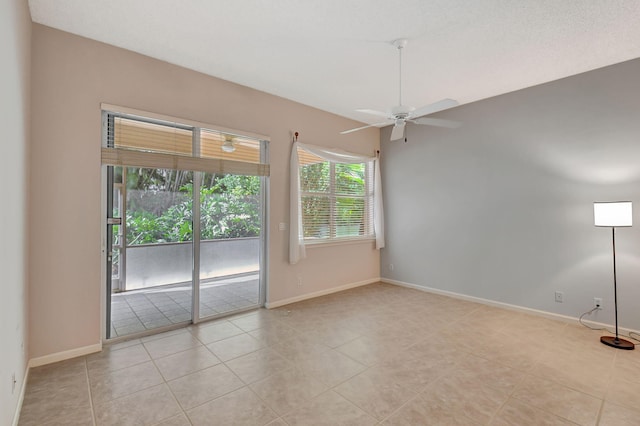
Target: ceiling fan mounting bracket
400	43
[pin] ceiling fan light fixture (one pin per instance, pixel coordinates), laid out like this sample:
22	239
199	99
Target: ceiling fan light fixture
228	146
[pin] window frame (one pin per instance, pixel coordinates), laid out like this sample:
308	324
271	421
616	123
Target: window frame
333	195
297	244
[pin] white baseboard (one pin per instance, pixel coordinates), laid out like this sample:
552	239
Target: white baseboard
545	314
278	303
50	359
61	356
16	415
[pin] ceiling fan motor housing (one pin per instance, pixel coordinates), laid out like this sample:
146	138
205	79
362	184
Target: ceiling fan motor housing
401	110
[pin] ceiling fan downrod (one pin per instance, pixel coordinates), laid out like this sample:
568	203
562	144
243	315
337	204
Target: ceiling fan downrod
400	44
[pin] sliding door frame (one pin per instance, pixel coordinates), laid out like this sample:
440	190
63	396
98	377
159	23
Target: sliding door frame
197	181
195	229
264	234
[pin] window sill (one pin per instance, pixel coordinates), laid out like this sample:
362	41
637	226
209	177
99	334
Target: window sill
331	243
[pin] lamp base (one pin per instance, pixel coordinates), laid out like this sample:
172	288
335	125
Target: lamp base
617	343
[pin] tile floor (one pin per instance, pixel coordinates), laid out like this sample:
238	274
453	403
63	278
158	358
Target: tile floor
146	309
378	354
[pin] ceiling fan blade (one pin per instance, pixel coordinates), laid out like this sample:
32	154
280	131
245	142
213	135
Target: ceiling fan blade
434	107
397	132
344	132
439	122
374	112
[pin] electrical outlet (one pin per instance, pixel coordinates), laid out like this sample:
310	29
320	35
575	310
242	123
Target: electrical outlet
13	383
559	296
391	267
299	280
597	302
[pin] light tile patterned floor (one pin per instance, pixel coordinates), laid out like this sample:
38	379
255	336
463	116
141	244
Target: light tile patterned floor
146	309
378	354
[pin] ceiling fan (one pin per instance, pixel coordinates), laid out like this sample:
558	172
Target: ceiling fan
401	114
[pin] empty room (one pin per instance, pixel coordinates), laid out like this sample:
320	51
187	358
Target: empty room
320	213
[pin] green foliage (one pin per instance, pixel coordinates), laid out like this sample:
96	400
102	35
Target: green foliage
160	211
350	179
315	177
160	203
142	228
346	201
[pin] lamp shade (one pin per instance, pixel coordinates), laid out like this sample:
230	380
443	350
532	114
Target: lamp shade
614	213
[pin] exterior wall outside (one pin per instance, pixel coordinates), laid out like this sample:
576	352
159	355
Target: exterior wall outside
72	76
150	265
502	208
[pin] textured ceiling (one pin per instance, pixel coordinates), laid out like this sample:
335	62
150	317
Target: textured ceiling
335	54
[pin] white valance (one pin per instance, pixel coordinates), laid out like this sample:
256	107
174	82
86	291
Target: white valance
296	237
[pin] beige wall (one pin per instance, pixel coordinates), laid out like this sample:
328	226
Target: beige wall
71	77
15	49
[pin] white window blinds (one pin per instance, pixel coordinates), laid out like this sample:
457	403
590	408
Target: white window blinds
335	196
336	199
140	142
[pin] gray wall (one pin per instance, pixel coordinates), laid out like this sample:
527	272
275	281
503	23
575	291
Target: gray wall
15	50
502	208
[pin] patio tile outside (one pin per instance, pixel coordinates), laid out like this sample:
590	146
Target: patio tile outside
146	309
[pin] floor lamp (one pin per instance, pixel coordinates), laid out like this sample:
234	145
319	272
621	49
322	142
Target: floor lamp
614	214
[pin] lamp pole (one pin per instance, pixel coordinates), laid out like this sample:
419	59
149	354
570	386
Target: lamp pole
616	342
614	214
615	284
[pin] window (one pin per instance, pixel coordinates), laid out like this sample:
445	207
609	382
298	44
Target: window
133	140
336	200
335	196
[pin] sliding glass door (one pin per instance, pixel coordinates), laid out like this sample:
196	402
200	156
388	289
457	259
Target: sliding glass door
230	243
182	245
153	262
